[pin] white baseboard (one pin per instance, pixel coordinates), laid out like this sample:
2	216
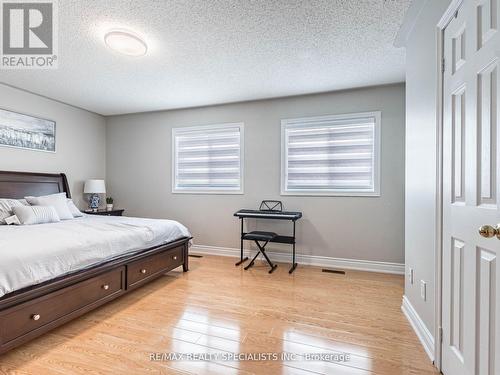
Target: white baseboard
419	327
311	260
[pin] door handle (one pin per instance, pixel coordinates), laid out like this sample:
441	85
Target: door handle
487	231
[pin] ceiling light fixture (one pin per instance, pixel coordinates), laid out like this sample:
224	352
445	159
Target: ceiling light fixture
126	43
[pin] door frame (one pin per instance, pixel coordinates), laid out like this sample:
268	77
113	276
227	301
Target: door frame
448	15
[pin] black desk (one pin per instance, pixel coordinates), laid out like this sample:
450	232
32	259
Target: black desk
274	215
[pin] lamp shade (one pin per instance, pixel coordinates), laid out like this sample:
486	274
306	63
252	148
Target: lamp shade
94	187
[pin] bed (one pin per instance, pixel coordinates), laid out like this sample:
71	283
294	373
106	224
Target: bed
59	271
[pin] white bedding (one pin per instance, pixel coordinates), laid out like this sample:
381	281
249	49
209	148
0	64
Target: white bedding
31	254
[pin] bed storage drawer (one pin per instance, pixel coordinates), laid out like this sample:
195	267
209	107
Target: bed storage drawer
145	269
33	317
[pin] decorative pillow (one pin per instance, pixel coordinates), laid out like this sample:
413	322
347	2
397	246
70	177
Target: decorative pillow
28	215
6	206
58	201
73	209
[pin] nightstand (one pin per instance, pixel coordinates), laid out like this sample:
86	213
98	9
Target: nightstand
104	212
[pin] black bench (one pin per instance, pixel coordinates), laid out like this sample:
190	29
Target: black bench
259	236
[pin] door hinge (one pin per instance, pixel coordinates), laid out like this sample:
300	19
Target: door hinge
443	65
440	333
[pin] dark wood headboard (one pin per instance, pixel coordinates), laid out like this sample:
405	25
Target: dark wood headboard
17	185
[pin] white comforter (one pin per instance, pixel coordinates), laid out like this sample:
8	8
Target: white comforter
31	254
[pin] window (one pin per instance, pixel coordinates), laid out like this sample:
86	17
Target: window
208	159
331	155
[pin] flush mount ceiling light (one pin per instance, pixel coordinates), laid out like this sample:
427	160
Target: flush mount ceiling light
125	42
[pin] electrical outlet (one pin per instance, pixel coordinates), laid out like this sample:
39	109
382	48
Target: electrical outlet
423	290
410	275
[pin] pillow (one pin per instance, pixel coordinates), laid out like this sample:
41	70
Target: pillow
28	215
58	201
73	209
6	206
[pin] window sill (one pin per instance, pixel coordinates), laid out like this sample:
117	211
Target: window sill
375	194
211	192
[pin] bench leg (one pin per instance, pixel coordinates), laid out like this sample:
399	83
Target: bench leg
242	260
263	251
252	261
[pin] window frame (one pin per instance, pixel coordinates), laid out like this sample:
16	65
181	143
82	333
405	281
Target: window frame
180	130
311	121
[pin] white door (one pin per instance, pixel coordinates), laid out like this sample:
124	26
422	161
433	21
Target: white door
471	290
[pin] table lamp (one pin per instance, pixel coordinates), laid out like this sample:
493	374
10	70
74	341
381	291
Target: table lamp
94	188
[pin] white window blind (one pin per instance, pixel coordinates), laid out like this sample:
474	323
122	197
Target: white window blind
208	159
331	155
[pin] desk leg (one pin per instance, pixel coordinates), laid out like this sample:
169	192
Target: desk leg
241	247
294	265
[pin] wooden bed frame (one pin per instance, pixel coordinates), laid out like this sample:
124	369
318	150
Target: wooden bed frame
35	310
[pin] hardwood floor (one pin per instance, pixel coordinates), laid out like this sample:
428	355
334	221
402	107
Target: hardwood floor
219	308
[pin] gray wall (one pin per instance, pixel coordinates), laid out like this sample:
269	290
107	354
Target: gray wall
80	141
139	175
421	157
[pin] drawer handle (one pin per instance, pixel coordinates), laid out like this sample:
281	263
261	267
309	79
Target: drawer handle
143	271
175	257
35	317
105	287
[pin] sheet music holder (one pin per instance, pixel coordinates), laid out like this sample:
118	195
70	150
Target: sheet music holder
271	206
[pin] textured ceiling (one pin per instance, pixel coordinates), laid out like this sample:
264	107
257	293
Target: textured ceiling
204	52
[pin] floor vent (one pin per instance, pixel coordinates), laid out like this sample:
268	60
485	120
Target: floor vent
195	256
333	271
